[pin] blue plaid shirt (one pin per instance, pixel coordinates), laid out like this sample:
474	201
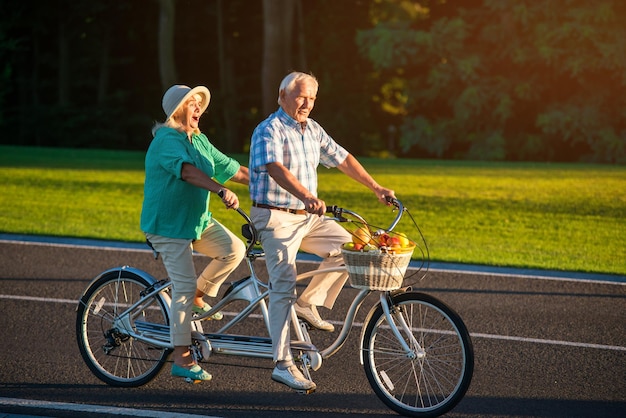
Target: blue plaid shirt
279	138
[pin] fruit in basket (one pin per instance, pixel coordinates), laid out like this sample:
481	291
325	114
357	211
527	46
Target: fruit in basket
362	236
380	238
369	247
394	242
404	240
351	246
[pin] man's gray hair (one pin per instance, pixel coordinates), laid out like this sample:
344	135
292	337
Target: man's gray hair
293	78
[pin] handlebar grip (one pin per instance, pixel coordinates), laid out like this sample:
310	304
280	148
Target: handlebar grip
392	200
331	209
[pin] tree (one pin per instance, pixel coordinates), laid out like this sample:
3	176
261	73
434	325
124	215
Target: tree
501	79
494	79
277	37
77	75
167	64
346	102
8	47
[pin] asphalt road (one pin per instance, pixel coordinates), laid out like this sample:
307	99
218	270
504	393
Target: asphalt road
544	348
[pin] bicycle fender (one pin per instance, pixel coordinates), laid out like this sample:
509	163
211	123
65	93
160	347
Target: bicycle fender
117	271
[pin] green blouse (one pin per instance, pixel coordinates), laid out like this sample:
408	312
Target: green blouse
172	207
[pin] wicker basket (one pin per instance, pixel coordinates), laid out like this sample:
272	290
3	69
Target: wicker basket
376	270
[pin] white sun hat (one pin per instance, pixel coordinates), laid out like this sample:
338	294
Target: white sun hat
176	95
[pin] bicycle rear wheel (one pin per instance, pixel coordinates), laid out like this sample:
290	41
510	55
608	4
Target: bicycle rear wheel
109	351
433	379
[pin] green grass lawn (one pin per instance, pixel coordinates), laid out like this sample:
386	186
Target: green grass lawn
568	217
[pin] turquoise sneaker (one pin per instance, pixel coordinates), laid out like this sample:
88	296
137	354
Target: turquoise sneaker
196	373
199	310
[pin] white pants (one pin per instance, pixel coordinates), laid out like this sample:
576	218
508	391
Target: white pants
217	242
281	235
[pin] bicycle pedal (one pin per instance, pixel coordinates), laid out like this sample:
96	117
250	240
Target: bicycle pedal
190	380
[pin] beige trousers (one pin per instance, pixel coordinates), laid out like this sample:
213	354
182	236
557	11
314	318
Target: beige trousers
226	251
281	235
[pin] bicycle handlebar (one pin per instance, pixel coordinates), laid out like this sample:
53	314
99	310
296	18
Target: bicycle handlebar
250	233
338	212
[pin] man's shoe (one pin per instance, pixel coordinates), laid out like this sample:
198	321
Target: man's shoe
293	378
311	316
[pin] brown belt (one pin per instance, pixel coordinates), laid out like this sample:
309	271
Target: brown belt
294	211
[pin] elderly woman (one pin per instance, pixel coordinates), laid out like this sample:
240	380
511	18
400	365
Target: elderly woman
182	170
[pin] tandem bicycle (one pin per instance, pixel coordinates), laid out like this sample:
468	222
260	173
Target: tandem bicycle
415	350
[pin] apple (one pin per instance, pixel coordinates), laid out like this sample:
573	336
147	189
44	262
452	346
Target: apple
358	247
394	242
380	239
349	246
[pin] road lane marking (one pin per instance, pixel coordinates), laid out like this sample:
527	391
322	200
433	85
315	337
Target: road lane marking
549	342
38	299
602	278
509	272
94	409
360	325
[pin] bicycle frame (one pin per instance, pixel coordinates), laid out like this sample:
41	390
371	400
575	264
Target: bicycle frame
255	292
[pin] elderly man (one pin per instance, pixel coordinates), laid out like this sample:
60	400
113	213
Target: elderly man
285	151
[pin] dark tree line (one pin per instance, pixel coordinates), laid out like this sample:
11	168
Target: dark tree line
506	79
478	79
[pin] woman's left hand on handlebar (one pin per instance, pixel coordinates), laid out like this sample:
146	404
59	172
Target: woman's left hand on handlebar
230	199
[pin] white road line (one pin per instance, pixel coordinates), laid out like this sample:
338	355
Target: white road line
305	258
360	325
38	299
615	281
94	409
551	342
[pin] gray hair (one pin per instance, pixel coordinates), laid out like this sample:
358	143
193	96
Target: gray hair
293	78
169	123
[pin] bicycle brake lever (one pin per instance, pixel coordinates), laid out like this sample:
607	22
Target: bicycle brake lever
336	211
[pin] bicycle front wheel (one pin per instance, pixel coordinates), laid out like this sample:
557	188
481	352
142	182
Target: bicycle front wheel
433	377
105	342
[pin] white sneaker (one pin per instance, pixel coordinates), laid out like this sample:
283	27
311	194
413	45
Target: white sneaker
312	317
293	378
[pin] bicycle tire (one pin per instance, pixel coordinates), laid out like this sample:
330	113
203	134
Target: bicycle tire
420	387
110	353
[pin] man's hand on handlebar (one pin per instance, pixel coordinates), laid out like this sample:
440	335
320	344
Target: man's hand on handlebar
315	206
385	196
